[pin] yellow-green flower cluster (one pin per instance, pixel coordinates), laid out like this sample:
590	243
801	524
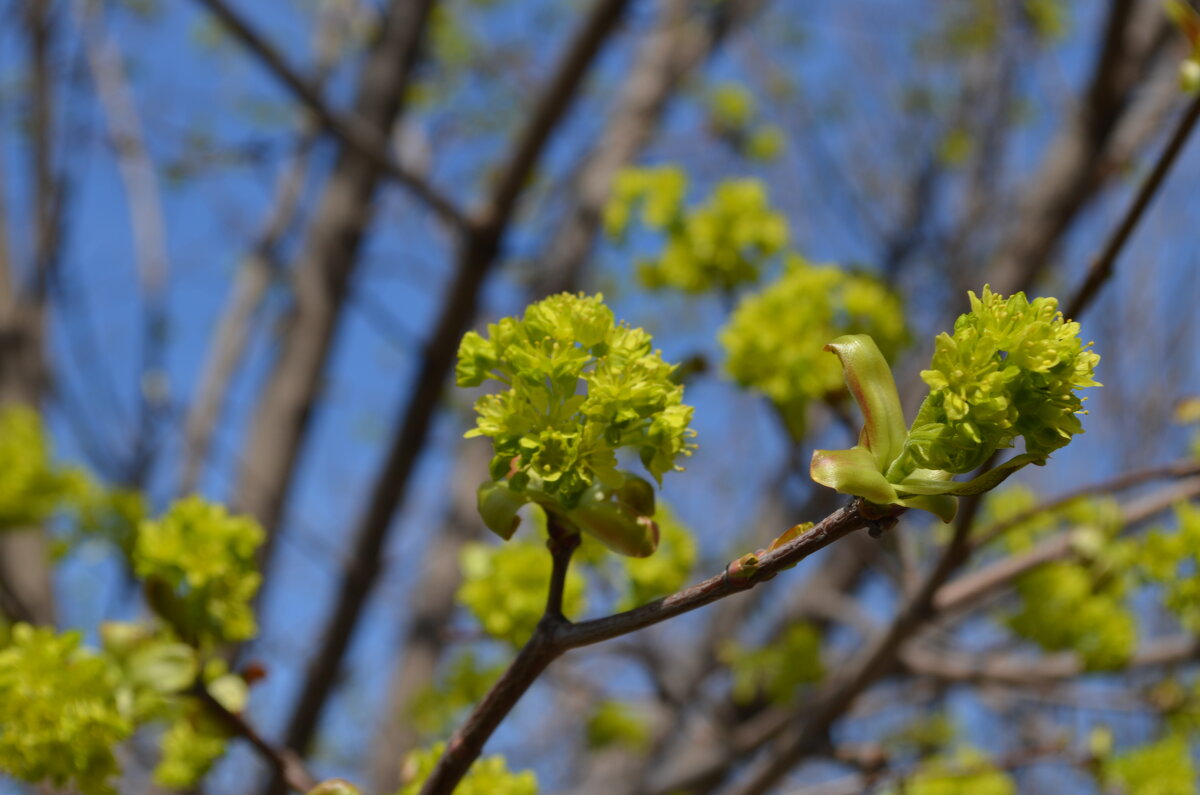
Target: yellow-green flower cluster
32	487
734	115
59	712
1011	368
966	771
719	244
463	682
1163	767
488	776
565	438
504	587
774	341
1074	607
776	670
580	387
617	723
200	572
1171	561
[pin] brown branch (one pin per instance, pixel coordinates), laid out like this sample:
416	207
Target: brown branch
555	636
467	743
147	222
1176	469
286	764
250	287
1024	671
357	133
1084	155
968	590
478	254
1102	267
681	40
24	374
321	276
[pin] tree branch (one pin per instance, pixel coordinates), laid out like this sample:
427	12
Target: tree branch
555	635
1102	267
478	254
353	131
285	763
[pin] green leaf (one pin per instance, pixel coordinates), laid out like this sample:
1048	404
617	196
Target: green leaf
622	525
870	381
498	505
164	667
853	472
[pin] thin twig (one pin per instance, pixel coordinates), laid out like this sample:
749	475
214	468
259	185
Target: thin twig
1102	268
479	252
967	590
555	635
286	763
354	132
1176	469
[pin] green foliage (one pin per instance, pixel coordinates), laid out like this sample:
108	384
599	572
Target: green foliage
1171	561
334	786
731	106
1071	607
464	683
659	192
617	723
557	447
1011	369
1159	768
1095	520
733	114
776	670
60	716
721	243
773	340
32	487
966	772
504	587
200	572
1076	605
667	570
190	747
488	776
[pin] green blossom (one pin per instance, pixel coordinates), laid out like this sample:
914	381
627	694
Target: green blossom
720	243
1011	369
1171	561
773	340
1074	607
59	714
776	670
190	747
488	776
32	487
200	572
463	683
617	723
966	772
1159	768
579	388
